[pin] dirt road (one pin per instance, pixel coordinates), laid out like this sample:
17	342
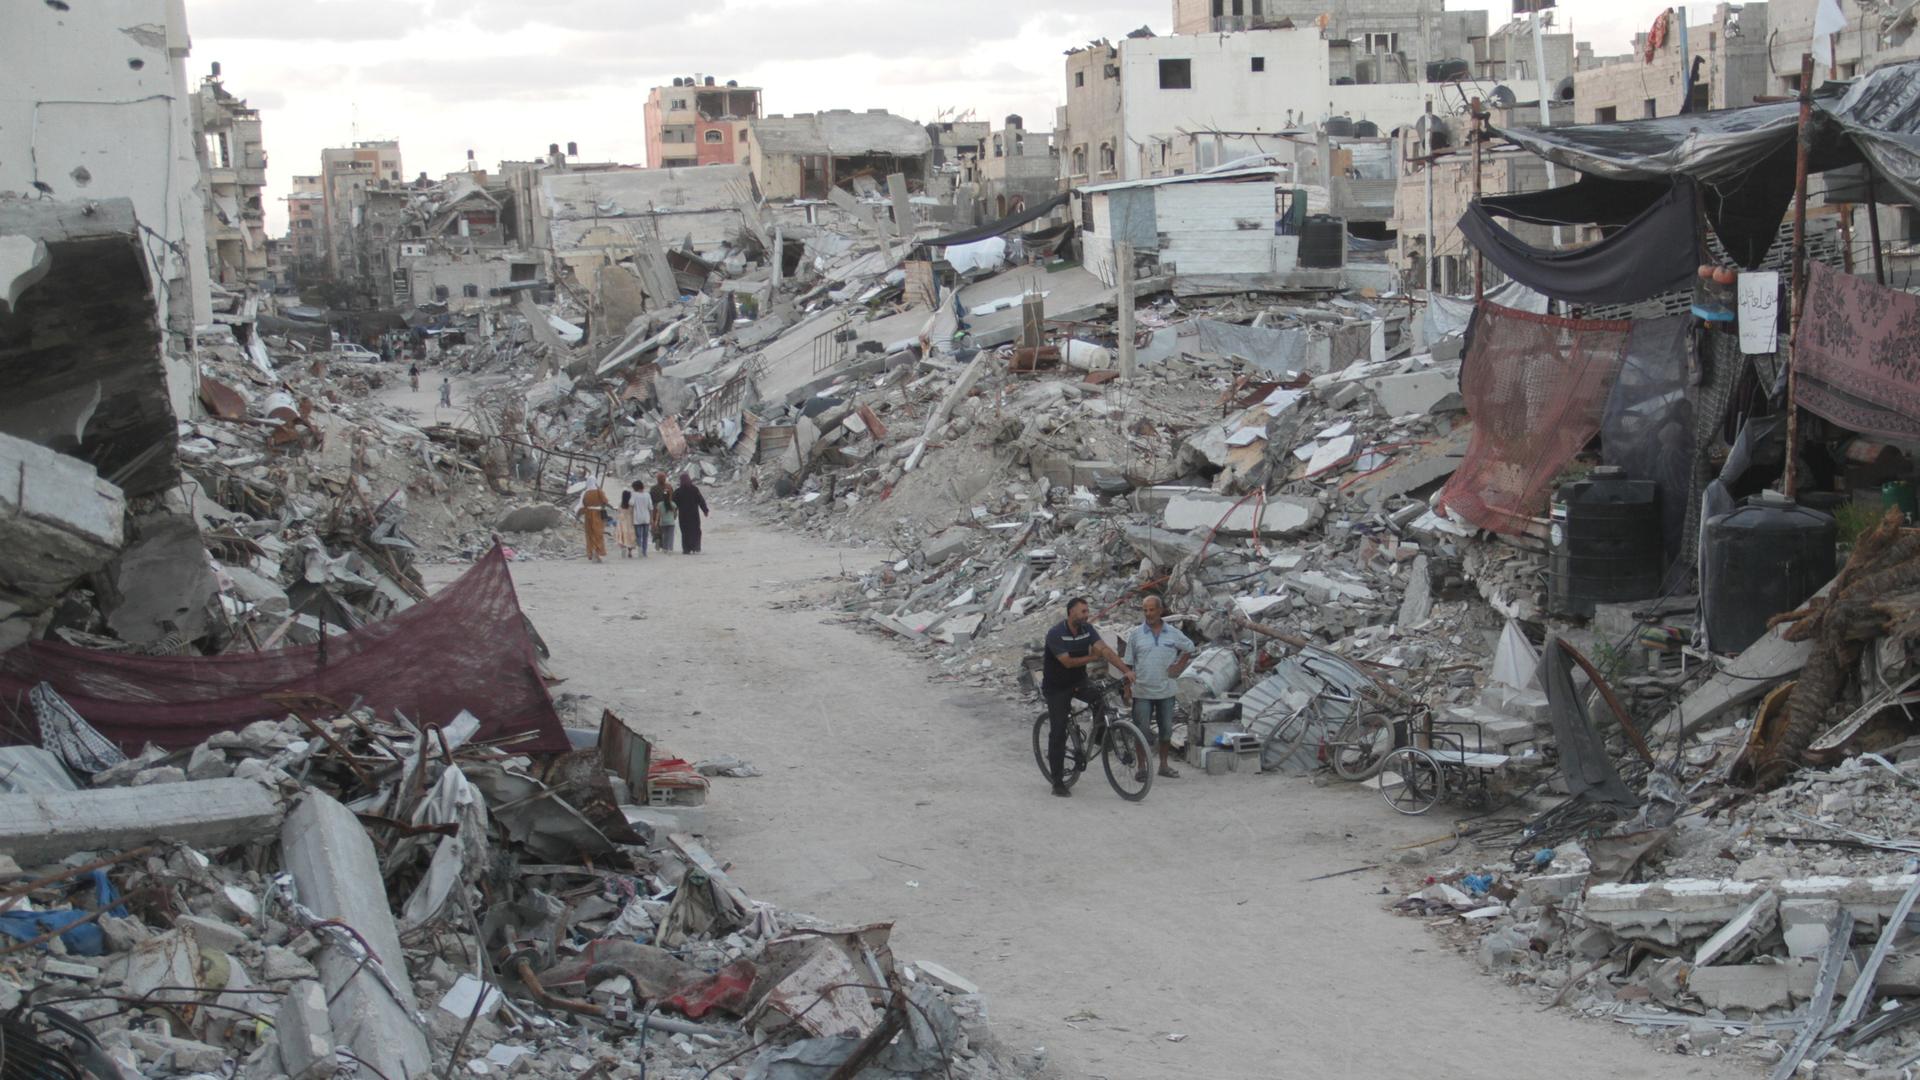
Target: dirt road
1096	928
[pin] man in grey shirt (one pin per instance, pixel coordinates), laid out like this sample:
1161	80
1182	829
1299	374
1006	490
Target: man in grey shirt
1159	652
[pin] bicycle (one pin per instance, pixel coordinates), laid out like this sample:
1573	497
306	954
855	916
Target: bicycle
1122	749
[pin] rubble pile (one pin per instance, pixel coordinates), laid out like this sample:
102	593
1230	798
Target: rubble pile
338	894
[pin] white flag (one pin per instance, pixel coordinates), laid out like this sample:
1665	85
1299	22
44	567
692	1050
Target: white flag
1828	20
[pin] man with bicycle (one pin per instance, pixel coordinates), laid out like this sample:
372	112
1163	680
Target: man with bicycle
1072	644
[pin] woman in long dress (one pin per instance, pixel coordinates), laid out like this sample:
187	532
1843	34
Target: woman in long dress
623	532
663	513
691	504
593	514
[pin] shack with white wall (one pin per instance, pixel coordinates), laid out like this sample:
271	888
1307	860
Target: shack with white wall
1241	226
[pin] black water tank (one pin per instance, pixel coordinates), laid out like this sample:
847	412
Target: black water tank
1339	126
1366	129
1604	547
1764	558
1323	242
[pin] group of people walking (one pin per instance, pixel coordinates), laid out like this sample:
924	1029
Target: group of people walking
645	514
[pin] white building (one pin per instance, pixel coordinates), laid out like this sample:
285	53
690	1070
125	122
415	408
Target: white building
1164	106
95	105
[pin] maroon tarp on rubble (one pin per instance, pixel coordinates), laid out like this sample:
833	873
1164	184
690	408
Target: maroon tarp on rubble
1535	388
466	647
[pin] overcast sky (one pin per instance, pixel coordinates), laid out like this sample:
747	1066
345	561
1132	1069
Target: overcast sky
505	78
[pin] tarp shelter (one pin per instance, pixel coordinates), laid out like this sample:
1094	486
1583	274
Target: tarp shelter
466	647
1654	252
1743	159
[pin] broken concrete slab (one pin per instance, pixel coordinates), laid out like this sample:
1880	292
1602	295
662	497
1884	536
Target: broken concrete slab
1279	515
1433	390
1685	909
948	544
1416	604
1806	925
1754	988
304	1032
337	876
1759	668
1413	468
59	521
1163	547
160	584
198	813
1745	930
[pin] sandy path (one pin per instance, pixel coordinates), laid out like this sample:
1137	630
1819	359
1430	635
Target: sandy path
1095	927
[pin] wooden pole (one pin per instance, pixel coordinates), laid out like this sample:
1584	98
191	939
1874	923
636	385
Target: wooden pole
1479	260
1873	229
1799	286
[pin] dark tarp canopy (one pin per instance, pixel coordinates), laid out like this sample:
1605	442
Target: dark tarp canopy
1002	227
1743	158
1655	252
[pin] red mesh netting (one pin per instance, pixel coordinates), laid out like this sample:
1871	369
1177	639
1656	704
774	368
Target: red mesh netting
466	647
1535	386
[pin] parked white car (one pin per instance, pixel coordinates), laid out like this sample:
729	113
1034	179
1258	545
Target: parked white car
359	354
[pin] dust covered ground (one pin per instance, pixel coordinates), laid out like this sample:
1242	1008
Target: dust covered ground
1097	929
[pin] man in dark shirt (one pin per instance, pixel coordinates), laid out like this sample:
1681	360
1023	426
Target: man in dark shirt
1071	646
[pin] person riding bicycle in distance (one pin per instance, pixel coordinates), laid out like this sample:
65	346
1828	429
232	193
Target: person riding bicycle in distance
1072	644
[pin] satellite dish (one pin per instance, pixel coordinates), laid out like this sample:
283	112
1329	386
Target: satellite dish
1501	98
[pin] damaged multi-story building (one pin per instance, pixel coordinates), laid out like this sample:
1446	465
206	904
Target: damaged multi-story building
696	121
306	243
807	155
82	124
234	163
1019	169
347	175
1237	74
461	246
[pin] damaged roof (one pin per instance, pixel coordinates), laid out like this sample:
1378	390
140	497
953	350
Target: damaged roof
842	133
574	196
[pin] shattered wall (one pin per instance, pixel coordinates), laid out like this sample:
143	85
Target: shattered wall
79	120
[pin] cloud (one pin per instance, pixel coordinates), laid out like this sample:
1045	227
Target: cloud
307	20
